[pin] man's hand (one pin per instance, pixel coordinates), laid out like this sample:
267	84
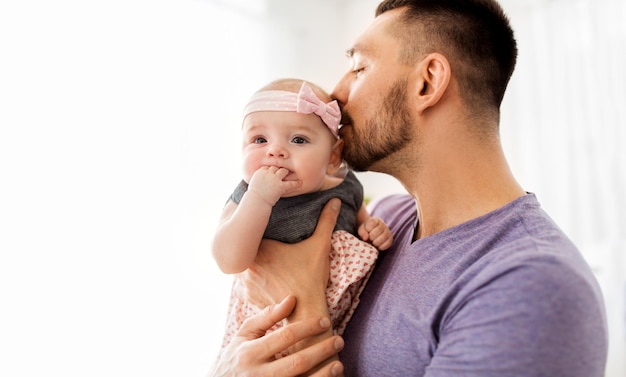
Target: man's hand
300	269
252	353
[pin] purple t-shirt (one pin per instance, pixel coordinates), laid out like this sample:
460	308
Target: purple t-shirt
506	294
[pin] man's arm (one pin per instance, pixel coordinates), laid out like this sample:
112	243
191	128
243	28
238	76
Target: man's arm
300	269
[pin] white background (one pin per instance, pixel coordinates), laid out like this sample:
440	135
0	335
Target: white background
119	143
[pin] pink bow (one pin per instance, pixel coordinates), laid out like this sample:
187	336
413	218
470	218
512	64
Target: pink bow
309	103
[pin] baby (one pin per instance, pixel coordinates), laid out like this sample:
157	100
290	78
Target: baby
292	165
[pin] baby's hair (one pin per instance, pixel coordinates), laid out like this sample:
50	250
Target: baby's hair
293	85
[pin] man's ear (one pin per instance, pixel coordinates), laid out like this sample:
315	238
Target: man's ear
335	158
433	75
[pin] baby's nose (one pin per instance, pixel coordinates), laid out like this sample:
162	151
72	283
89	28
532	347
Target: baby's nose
277	151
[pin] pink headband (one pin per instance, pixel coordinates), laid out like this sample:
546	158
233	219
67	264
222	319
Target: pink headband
305	102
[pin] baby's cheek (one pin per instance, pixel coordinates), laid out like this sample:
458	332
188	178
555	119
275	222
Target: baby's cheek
249	167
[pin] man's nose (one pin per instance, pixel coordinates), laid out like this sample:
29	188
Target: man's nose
340	92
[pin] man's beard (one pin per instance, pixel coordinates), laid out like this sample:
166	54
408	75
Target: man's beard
387	132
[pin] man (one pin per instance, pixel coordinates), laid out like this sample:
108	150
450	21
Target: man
480	281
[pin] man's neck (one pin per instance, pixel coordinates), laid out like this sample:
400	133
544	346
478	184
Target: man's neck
449	194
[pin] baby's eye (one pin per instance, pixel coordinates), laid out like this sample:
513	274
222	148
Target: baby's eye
299	140
259	140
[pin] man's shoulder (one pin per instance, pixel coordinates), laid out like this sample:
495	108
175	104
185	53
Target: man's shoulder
391	203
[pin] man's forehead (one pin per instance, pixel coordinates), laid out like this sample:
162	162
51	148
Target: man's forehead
374	34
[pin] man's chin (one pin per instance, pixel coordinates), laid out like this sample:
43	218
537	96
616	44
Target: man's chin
354	167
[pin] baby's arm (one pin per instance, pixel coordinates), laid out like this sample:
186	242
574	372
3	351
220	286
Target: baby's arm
239	233
241	227
373	230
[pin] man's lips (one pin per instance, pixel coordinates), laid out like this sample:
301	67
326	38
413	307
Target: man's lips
346	122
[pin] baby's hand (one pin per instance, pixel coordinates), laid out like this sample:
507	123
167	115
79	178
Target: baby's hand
376	232
268	182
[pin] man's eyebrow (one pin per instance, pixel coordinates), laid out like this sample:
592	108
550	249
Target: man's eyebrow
356	49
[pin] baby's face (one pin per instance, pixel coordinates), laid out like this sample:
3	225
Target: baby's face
300	143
